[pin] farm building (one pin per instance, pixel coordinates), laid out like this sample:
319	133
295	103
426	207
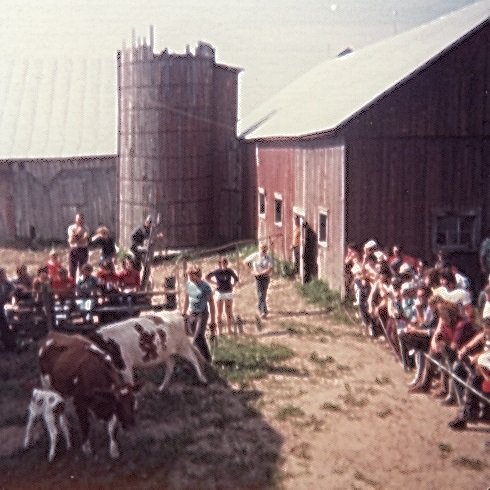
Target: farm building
57	146
389	142
155	133
179	154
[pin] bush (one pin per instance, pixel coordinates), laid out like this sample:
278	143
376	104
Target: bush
318	292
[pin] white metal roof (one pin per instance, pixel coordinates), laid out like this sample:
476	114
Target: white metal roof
58	108
336	90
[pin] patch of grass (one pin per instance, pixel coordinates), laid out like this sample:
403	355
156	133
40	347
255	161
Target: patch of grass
289	411
292	328
344	368
470	463
351	400
239	360
321	361
382	414
318	292
445	449
383	380
361	477
331	407
302	451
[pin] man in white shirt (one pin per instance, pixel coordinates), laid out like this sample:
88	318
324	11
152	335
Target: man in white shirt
261	264
78	242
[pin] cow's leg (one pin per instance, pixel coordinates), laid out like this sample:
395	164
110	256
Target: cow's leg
46	381
66	431
190	353
30	424
50	420
82	413
169	369
111	430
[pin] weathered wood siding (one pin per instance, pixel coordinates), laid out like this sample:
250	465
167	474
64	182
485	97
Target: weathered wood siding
275	176
320	176
423	148
47	193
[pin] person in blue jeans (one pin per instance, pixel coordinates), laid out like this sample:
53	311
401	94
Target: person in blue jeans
261	265
198	308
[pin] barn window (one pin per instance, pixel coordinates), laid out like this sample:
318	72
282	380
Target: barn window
261	202
277	209
456	231
323	227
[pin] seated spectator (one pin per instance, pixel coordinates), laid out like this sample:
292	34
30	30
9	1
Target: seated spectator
103	240
378	299
87	283
454	330
418	332
107	277
398	258
462	281
22	283
353	267
41	283
476	354
63	286
53	264
448	291
408	316
129	276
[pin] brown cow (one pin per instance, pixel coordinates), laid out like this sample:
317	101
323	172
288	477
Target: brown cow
75	367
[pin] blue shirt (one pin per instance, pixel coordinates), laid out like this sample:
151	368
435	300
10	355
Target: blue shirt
199	295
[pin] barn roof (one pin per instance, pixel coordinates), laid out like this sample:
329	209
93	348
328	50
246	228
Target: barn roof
336	90
51	108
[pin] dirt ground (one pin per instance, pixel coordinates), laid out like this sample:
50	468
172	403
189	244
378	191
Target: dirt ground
337	417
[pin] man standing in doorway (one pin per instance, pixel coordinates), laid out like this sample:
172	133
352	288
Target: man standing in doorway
261	264
295	245
78	243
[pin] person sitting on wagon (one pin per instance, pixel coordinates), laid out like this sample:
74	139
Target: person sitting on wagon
129	276
87	282
63	285
107	277
53	265
22	284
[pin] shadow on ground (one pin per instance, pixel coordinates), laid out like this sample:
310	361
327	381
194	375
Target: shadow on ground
192	436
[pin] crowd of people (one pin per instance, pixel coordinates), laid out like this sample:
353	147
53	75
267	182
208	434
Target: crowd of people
428	316
114	272
76	277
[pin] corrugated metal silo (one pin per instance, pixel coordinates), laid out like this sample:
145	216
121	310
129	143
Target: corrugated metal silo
168	140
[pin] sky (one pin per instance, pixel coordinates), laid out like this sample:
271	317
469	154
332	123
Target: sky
273	41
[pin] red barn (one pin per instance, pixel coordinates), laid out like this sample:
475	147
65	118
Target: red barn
389	142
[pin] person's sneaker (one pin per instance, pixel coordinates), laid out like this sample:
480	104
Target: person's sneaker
457	424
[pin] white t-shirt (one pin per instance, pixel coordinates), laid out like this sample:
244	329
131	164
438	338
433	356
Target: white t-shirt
457	296
260	263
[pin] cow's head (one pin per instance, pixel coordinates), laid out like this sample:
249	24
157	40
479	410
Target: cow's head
119	400
126	405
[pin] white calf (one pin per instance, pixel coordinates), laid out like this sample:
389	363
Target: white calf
49	405
151	340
